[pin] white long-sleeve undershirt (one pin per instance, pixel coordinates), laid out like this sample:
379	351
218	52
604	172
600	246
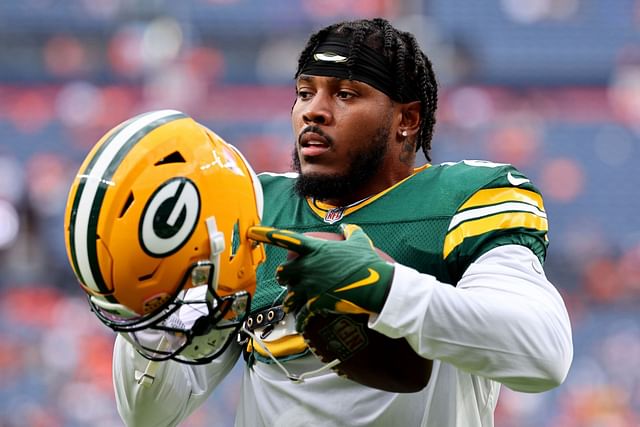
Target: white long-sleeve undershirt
503	323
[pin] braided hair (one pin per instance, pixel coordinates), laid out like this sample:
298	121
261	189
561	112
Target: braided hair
412	68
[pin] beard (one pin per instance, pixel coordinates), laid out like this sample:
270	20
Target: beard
365	163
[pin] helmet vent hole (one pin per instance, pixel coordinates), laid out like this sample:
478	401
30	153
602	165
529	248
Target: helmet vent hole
147	276
174	157
126	205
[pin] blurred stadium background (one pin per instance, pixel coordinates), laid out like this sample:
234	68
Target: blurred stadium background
552	86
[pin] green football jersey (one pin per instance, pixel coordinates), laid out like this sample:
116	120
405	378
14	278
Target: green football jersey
437	221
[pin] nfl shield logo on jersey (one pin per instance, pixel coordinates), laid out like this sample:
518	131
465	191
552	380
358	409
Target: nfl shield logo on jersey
333	215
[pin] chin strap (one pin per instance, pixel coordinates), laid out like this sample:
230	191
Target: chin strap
147	377
216	244
293	377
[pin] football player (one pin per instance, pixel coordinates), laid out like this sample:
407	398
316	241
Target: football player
467	288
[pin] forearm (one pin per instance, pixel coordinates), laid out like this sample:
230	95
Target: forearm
177	390
503	321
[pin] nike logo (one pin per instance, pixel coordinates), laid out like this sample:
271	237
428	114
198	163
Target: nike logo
329	57
372	278
516	181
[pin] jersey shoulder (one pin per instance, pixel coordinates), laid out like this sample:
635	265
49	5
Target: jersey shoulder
280	199
468	176
492	204
272	178
276	185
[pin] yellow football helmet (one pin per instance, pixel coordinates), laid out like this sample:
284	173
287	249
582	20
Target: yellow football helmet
155	230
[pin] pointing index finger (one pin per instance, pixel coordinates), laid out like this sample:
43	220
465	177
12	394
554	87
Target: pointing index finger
278	237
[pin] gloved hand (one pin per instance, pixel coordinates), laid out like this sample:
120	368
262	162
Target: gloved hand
344	276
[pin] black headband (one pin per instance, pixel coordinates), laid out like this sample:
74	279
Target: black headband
331	58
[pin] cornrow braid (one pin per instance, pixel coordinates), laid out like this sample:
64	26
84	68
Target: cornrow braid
357	38
413	70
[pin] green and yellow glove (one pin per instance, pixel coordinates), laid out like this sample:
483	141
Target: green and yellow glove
344	276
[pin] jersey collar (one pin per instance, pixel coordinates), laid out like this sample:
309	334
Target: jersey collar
331	214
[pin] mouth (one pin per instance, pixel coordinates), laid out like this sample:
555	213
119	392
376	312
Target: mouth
313	144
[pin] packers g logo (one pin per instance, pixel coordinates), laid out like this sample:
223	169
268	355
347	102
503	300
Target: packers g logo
169	217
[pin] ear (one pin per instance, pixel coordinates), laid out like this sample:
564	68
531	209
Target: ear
411	115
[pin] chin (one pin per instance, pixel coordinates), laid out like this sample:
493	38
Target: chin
317	170
315	167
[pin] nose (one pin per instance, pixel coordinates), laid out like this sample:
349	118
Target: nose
317	110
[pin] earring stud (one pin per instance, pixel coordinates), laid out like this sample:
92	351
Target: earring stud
403	133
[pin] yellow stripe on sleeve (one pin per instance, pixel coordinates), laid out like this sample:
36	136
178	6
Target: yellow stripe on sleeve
492	196
501	221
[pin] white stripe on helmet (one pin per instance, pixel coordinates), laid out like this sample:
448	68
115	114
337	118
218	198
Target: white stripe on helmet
91	186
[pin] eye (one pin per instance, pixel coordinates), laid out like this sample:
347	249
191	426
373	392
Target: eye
303	94
345	94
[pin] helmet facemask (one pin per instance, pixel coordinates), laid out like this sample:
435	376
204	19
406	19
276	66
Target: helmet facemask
195	326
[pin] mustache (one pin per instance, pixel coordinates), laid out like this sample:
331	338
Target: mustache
315	129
